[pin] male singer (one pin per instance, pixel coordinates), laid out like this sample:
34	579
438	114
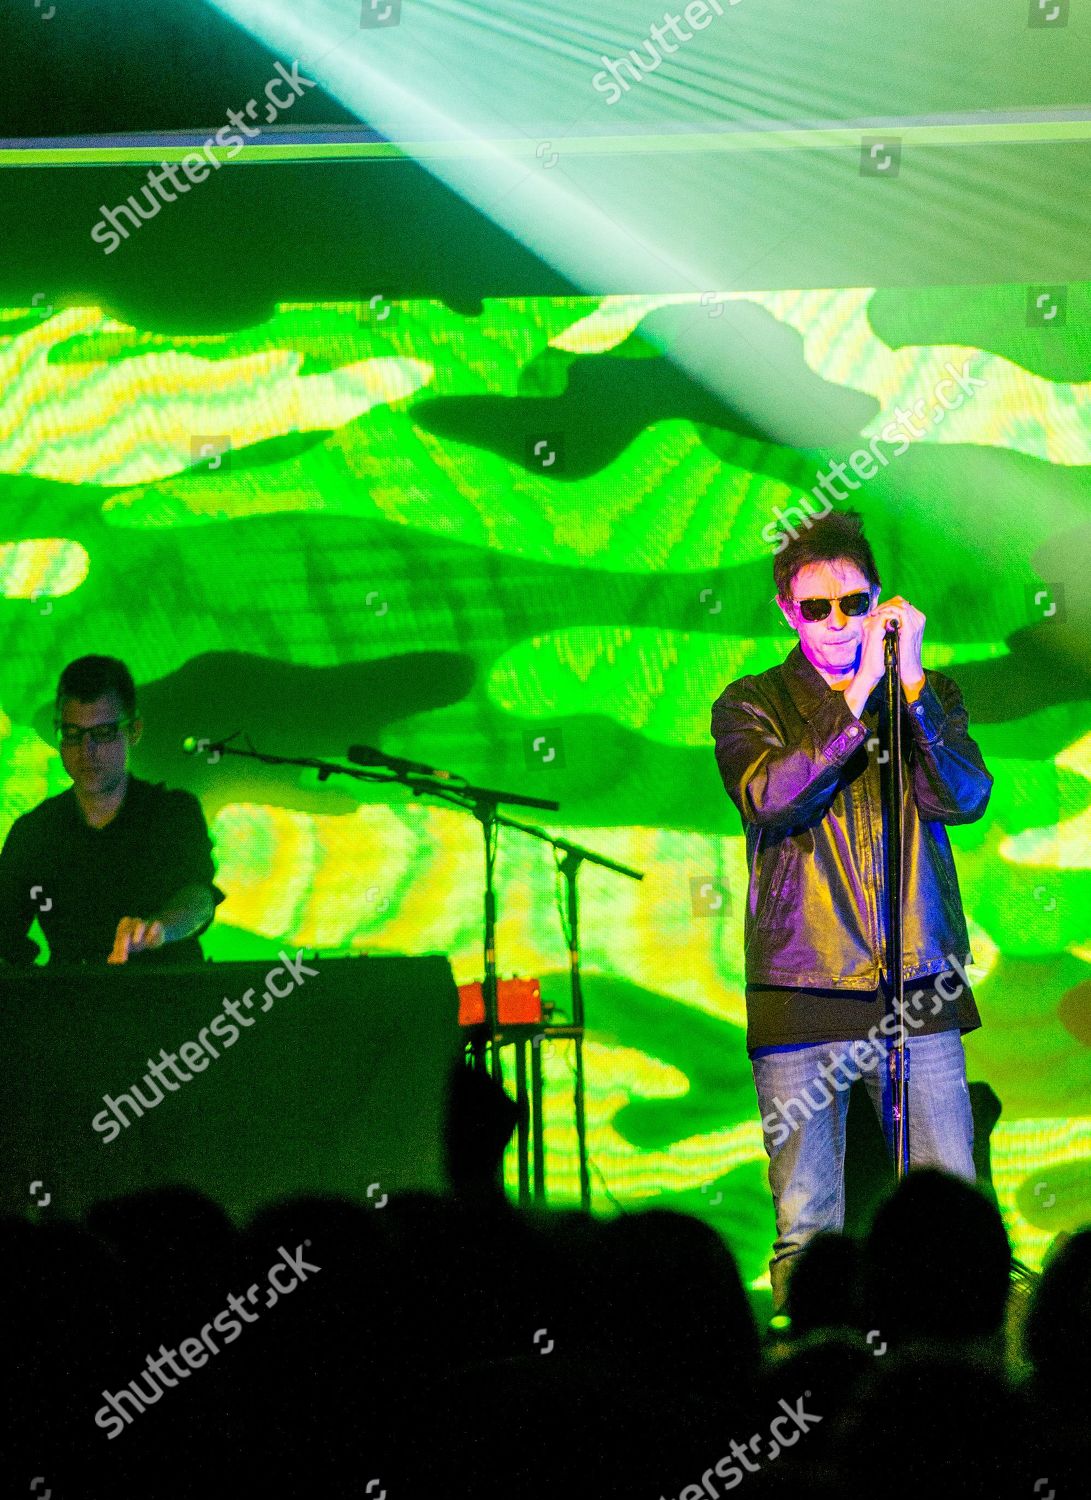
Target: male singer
115	867
800	754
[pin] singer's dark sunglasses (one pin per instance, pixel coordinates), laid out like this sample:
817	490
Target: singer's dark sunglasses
851	604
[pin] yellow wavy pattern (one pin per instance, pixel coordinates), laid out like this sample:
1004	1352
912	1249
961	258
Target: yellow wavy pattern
42	568
136	420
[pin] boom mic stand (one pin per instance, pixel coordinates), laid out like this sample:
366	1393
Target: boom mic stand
574	855
898	1057
483	803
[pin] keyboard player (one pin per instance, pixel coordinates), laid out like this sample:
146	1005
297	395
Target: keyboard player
116	869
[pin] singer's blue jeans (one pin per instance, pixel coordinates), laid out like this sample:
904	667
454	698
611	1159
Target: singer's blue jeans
803	1122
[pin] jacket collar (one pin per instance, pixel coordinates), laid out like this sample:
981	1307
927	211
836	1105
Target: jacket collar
807	686
804	682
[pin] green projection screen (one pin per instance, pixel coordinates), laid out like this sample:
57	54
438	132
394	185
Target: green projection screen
515	541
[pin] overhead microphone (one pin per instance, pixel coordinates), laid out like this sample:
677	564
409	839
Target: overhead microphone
365	755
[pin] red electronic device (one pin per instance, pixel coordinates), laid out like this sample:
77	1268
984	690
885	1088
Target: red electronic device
518	1003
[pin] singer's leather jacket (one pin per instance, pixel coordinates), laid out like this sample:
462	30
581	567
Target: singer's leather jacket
804	773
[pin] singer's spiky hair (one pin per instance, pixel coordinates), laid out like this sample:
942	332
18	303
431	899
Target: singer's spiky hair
836	535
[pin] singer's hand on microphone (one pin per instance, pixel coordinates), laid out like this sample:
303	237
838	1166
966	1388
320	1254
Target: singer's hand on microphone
910	636
872	664
872	668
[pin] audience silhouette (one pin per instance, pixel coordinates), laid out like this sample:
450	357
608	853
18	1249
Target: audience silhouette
419	1345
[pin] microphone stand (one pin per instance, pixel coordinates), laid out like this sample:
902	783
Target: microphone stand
574	855
483	803
898	1057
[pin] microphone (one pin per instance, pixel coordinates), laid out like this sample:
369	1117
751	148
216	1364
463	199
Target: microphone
892	627
364	755
192	745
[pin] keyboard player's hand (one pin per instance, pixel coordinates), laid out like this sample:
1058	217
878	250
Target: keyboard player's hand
134	935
